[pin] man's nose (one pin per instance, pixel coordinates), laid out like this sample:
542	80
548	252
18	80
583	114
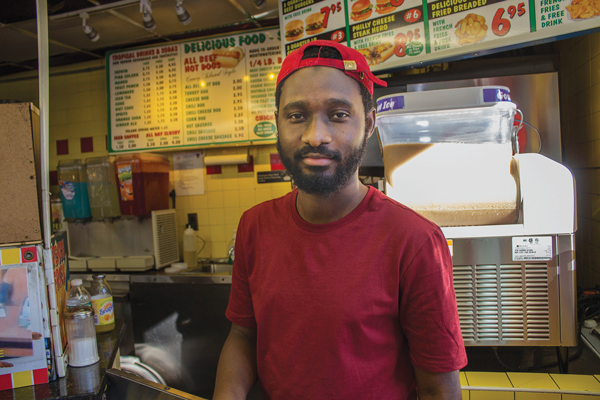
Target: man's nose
316	133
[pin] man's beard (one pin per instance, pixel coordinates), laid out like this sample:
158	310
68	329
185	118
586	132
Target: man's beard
317	181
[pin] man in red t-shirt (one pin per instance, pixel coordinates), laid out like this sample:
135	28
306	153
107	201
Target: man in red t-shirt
338	292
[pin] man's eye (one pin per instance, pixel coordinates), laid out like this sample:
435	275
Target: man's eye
340	115
295	117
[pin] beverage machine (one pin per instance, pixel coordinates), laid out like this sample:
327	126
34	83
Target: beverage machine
509	218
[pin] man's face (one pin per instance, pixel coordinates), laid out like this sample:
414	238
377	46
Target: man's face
322	129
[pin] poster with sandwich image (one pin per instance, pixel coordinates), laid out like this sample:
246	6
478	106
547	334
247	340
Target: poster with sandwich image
456	26
387	31
305	21
231	94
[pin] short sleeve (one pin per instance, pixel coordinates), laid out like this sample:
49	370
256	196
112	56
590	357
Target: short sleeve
427	309
240	309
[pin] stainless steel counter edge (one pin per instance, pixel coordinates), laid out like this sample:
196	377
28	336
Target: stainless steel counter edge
176	278
161	277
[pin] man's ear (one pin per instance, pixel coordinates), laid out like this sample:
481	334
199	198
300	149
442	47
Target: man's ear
370	122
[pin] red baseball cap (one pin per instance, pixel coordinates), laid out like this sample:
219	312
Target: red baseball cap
352	63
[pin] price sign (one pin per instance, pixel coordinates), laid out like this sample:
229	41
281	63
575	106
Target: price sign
302	22
187	94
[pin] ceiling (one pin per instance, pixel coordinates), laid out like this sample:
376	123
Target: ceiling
119	23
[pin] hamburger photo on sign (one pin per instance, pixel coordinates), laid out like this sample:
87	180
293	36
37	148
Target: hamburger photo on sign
387	6
361	10
314	23
294	30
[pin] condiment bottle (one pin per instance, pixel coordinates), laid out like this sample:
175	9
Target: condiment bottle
102	302
78	296
81	336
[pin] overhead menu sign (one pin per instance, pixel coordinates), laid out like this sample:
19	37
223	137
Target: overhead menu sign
217	90
394	33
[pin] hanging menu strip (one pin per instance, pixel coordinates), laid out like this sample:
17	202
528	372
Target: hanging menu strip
203	92
396	33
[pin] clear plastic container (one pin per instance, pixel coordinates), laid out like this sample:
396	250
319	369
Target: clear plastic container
81	336
143	183
102	188
102	302
78	296
73	189
190	256
447	154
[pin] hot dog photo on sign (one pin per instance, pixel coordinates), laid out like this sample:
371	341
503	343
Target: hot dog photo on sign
228	58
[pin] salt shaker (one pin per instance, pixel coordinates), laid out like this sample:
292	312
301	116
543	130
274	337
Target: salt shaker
81	335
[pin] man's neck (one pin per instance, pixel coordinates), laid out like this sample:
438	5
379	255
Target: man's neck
318	209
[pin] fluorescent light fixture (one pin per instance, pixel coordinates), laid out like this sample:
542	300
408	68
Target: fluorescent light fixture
90	32
182	15
423	123
147	19
424	139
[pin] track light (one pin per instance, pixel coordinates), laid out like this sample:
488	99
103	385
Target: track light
147	19
90	32
182	15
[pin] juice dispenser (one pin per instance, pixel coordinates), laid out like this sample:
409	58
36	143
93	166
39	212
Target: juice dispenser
448	154
102	188
143	183
73	189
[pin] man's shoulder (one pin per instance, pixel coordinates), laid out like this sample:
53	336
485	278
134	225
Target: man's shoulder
270	207
393	211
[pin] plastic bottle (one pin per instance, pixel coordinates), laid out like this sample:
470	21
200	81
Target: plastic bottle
102	303
231	251
78	296
189	247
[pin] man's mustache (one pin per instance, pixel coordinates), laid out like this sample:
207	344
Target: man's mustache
303	152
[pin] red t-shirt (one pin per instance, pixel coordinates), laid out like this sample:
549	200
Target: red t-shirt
344	310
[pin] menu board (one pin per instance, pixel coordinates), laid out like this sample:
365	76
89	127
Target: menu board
395	33
217	90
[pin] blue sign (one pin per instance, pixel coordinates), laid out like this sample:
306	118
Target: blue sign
495	95
390	103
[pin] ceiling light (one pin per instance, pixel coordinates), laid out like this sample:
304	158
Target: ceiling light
259	3
90	32
182	15
147	19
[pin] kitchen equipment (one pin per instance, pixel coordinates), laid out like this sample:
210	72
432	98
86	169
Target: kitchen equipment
514	279
81	335
103	263
126	244
461	141
102	188
73	189
143	183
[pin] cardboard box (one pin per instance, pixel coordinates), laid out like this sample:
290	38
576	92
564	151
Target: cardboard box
20	166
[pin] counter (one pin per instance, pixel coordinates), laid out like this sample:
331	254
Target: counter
178	323
83	383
